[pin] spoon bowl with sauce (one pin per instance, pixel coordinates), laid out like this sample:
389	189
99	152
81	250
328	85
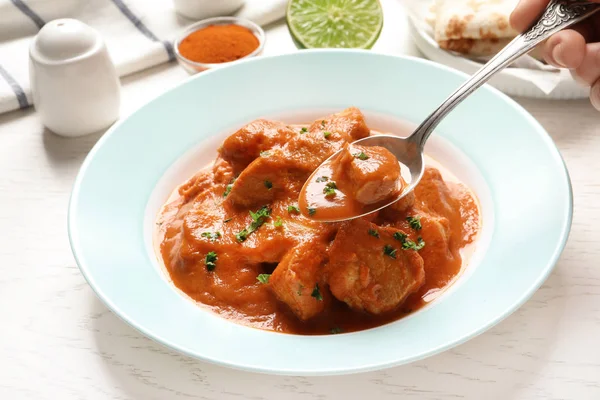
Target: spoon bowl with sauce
362	178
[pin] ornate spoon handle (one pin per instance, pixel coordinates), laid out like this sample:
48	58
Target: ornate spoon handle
558	15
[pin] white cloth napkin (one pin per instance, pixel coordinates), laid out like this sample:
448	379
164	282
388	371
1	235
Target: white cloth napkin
138	34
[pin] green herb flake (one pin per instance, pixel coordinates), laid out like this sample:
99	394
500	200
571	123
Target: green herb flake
293	209
329	192
303	130
211	236
400	237
311	211
389	251
410	245
268	184
329	189
258	219
242	235
227	220
322	179
316	293
210	261
278	223
263	278
326	134
374	233
300	289
415	222
323	123
335	330
228	187
361	156
265	153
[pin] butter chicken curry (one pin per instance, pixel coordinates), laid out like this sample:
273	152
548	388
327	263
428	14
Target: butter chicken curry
234	238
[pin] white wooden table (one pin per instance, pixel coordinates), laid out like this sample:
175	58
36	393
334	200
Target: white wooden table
58	341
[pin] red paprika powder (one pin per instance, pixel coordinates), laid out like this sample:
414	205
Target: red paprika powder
218	44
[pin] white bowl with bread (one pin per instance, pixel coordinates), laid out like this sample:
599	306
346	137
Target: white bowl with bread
463	33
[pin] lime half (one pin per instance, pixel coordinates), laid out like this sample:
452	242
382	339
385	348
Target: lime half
335	23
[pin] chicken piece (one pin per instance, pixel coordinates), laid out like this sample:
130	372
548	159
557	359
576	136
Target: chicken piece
367	174
324	137
306	152
205	225
223	172
435	232
348	125
298	279
268	177
197	184
434	196
369	270
246	144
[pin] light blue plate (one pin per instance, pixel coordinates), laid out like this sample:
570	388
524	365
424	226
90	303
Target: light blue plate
527	211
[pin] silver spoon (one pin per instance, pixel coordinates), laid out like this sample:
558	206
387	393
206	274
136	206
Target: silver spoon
558	15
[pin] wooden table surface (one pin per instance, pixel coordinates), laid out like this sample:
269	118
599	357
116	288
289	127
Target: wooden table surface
58	341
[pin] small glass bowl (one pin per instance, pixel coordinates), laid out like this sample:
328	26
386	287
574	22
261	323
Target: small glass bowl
193	67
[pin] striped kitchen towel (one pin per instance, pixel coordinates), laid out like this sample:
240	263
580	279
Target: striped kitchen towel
138	34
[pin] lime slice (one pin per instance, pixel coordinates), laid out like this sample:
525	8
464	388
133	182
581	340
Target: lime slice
335	23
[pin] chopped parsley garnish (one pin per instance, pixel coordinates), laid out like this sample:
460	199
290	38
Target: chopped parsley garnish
361	156
258	218
227	220
389	251
212	236
329	189
374	233
326	134
268	184
311	211
414	222
322	179
329	192
265	153
300	289
278	223
316	293
210	261
410	245
303	130
263	278
228	188
335	330
242	235
293	209
400	236
323	123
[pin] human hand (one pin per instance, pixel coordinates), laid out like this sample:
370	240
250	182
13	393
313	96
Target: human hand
577	49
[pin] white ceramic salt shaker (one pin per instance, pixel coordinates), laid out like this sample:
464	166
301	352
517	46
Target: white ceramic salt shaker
74	83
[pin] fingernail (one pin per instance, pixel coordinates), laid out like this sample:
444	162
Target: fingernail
595	95
556	54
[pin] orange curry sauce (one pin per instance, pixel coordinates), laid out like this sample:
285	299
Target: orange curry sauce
232	224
